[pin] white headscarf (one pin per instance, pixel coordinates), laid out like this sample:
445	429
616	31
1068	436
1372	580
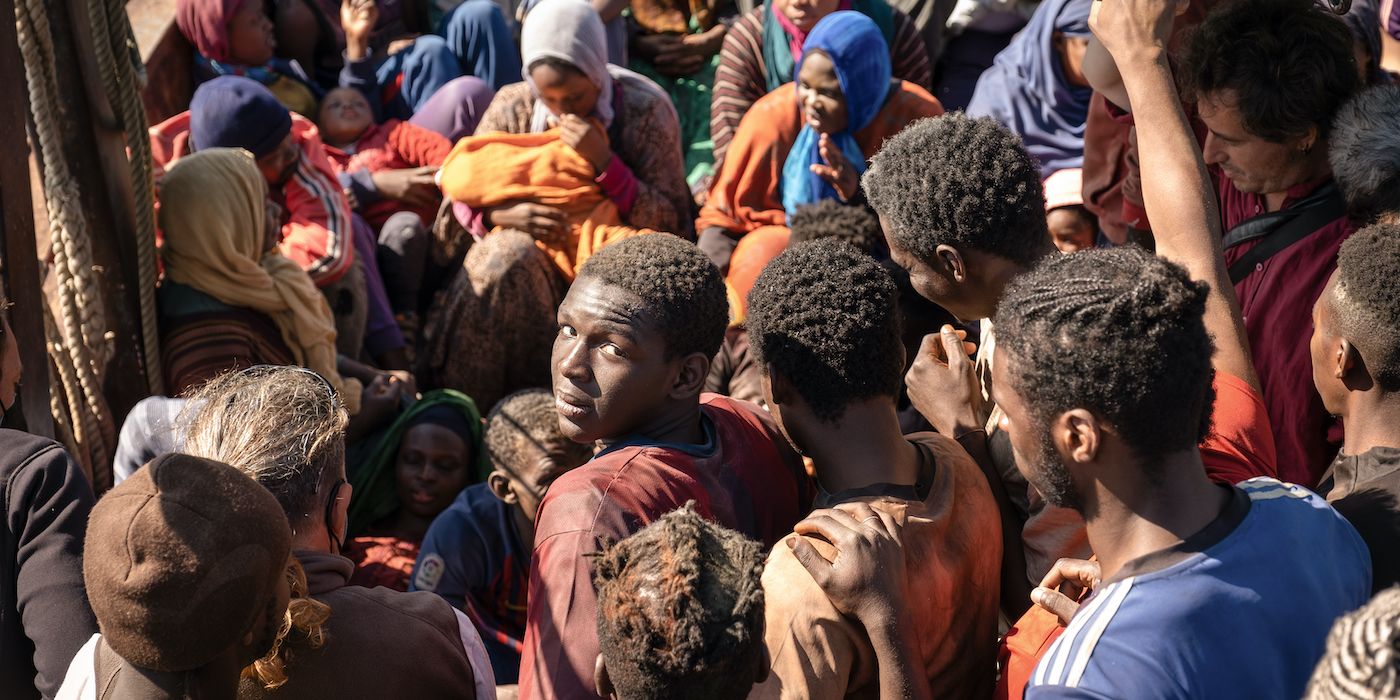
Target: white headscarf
572	31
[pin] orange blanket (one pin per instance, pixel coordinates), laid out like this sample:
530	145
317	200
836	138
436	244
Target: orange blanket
745	194
494	169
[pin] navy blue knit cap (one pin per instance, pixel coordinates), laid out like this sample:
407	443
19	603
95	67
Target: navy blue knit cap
236	112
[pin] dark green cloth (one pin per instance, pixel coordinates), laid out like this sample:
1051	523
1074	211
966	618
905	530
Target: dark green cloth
371	461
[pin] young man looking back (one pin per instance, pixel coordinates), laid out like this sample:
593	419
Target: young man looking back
636	334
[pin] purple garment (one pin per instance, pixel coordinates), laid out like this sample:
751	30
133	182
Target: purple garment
456	108
382	332
1392	23
1026	89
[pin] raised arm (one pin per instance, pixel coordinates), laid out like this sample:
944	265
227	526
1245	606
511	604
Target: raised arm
1176	189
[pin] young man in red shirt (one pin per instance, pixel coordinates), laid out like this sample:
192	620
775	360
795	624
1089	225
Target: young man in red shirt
636	335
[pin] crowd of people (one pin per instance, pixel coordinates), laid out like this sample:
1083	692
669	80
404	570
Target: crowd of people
818	349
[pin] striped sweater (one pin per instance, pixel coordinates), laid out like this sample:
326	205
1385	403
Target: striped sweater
740	78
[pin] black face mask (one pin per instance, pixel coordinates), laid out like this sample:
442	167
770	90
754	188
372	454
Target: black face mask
337	540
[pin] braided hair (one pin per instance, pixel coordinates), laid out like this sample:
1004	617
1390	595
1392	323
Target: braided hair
1362	660
1119	332
1366	300
680	610
680	290
826	317
968	183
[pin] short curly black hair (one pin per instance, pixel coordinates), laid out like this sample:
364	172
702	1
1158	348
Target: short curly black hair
681	291
964	182
1366	299
826	316
528	417
1365	153
680	610
828	218
1119	332
1289	63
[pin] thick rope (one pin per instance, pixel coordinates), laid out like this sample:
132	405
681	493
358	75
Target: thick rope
82	325
115	51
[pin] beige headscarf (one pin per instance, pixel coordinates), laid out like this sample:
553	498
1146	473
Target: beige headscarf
213	214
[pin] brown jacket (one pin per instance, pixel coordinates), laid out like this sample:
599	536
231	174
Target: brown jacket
952	541
379	643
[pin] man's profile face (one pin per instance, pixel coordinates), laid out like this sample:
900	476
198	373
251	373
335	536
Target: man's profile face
1252	163
611	375
1036	457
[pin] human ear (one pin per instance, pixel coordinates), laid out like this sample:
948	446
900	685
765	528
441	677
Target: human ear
690	380
601	682
952	263
1346	358
1077	435
499	484
780	389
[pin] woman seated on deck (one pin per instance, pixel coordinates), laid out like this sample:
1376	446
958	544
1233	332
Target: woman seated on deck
404	478
806	142
493	333
229	300
762	49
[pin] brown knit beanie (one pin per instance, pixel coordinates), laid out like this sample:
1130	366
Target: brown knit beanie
181	560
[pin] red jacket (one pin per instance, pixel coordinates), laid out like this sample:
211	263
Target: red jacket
393	145
316	225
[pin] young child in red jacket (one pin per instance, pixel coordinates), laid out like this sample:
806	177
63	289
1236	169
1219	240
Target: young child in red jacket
386	168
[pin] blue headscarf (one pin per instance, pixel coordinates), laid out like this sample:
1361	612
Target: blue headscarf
858	50
1026	90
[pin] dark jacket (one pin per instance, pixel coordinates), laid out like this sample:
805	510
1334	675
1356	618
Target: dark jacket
44	613
379	643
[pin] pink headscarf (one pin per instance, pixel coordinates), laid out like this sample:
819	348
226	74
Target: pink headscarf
205	24
797	37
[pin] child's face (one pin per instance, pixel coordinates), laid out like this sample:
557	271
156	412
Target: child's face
611	375
344	116
540	466
250	37
431	469
1071	230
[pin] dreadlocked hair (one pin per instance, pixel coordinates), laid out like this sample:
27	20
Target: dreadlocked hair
968	183
1119	332
1362	660
681	291
523	419
825	316
828	218
1367	299
680	610
302	629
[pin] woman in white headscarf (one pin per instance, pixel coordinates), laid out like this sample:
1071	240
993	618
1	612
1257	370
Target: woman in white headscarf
492	332
620	121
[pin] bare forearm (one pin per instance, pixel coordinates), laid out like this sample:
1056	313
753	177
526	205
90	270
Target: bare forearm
1181	203
898	653
1015	587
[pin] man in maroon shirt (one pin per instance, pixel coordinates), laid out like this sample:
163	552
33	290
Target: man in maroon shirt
1267	76
636	334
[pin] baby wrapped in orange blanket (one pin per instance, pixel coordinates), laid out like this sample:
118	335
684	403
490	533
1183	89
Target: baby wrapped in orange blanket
493	169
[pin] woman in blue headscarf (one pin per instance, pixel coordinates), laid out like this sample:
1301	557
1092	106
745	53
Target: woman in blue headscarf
1035	86
810	140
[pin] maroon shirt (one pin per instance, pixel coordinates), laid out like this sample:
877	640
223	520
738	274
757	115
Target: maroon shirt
744	477
1277	301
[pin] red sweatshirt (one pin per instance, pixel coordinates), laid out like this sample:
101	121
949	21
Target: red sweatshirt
393	145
